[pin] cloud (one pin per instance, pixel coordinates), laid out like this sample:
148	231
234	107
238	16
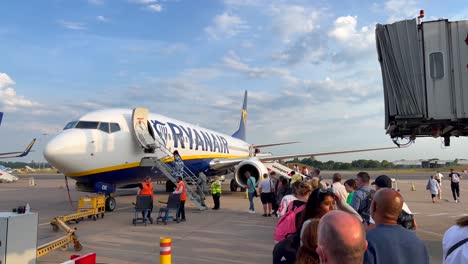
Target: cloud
72	25
143	1
345	31
238	3
155	8
292	20
226	26
232	61
309	48
9	100
102	19
5	80
401	9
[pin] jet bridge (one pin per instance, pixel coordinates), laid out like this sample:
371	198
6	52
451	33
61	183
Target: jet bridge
425	78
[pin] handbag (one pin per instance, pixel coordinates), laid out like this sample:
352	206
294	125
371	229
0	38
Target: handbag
406	220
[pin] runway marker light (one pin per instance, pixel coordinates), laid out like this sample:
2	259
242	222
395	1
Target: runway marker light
165	250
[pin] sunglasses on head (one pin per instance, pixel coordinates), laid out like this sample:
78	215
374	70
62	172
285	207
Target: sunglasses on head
325	191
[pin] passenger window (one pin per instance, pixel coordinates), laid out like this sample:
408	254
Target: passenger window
104	127
114	127
70	125
87	125
436	61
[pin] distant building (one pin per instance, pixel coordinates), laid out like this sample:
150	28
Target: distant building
408	163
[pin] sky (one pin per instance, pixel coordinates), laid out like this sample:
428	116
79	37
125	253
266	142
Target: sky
310	68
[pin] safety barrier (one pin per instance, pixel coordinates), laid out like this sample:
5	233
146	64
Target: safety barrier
85	259
165	250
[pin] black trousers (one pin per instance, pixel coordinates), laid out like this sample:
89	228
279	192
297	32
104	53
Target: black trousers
455	186
149	211
181	210
216	200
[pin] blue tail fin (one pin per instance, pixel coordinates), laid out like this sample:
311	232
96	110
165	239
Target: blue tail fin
240	133
1	116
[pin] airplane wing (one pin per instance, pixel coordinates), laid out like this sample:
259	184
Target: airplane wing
18	153
274	144
225	163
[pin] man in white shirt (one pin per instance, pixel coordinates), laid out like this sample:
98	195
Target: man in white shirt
438	177
338	188
267	194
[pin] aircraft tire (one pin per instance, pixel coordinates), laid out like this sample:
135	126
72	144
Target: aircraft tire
110	204
233	185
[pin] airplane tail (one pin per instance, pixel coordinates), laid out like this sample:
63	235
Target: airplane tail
240	133
1	116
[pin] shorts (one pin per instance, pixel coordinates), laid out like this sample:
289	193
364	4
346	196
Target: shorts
433	195
438	180
267	198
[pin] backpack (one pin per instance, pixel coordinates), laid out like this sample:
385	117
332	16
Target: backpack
285	251
406	220
365	211
287	223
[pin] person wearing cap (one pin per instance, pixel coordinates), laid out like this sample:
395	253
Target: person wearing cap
383	181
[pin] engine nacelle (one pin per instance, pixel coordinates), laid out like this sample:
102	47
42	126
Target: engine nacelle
252	165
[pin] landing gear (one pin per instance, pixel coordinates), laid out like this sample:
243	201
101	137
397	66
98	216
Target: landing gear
110	204
233	185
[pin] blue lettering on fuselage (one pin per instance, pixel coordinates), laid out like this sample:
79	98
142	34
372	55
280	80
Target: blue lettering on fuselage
197	139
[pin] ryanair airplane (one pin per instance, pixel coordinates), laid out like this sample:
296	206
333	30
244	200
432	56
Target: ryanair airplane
109	146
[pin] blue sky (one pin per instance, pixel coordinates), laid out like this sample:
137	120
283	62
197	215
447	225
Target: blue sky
310	68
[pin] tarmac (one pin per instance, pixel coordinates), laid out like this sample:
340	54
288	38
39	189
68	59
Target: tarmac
229	235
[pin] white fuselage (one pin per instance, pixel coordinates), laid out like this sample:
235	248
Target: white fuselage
87	152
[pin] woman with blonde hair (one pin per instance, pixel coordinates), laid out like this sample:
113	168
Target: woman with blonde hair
307	252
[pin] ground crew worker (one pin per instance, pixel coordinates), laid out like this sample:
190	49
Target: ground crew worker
182	190
146	188
216	190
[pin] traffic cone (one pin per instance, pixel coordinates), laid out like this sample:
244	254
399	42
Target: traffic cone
413	188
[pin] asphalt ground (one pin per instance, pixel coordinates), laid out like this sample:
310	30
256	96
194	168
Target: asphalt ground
229	235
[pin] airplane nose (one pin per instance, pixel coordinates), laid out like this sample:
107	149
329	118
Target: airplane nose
64	151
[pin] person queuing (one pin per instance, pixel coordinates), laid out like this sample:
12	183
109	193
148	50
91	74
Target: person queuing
433	187
351	187
146	188
439	177
307	251
216	190
455	185
267	194
338	188
363	196
301	191
251	191
341	239
182	190
389	242
455	243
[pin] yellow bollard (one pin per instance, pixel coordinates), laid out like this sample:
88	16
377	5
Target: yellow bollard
413	188
247	193
165	250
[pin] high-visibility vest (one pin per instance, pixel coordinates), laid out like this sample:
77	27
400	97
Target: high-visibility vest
183	195
216	187
147	189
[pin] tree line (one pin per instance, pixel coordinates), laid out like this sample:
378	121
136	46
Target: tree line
337	165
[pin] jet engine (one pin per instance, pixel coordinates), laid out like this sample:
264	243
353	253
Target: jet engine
254	166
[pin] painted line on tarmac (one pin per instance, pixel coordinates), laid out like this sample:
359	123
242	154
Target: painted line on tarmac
438	214
457	216
429	232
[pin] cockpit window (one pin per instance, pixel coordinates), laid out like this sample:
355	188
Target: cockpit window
104	127
114	127
87	125
70	125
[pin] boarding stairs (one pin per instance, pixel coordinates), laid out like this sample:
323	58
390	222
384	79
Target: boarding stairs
280	169
164	160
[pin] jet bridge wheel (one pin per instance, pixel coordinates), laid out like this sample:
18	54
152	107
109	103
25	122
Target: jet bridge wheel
110	204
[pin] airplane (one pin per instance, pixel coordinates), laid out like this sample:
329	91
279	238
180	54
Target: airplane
16	154
107	147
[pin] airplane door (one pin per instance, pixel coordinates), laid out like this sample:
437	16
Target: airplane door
140	128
